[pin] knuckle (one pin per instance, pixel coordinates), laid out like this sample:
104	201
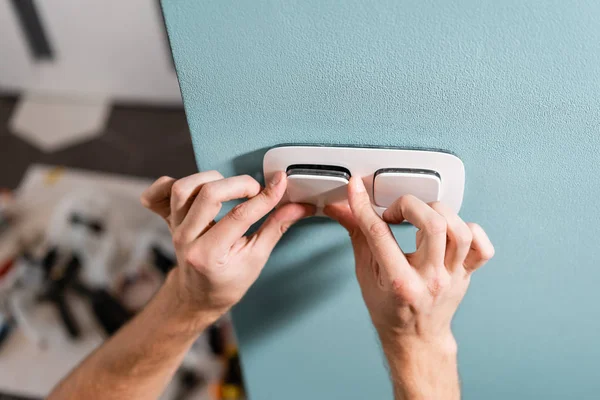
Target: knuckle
251	183
488	253
442	209
178	238
476	230
206	192
486	249
266	196
214	172
435	225
149	196
403	203
378	229
217	257
163	179
464	237
179	189
404	292
145	200
406	199
248	179
439	284
194	257
474	227
190	258
436	205
239	212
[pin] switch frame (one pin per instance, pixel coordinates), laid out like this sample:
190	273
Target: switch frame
366	161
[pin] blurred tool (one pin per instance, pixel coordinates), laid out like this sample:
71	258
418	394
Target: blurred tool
232	387
163	261
221	341
216	339
19	284
6	327
83	231
109	312
94	225
58	279
20	304
84	223
188	381
62	276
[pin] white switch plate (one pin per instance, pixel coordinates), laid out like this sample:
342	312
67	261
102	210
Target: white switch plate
365	162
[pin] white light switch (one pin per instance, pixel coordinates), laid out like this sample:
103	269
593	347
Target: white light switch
390	184
316	185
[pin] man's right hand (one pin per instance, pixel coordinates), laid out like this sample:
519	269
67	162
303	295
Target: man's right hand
412	297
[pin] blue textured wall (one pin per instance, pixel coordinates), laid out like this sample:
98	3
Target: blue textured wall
512	87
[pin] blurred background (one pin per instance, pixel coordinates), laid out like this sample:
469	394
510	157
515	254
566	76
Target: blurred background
90	114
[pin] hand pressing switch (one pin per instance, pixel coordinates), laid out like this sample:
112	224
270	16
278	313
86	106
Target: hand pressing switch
390	184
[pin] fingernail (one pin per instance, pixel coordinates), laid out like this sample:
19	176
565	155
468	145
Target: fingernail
276	178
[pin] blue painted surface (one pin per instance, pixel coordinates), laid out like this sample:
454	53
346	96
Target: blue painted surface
510	86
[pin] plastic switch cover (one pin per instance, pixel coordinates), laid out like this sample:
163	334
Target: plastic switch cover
391	184
317	185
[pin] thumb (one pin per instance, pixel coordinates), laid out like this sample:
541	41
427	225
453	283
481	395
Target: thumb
278	223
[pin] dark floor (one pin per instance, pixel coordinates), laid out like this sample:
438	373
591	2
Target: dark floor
139	141
9	397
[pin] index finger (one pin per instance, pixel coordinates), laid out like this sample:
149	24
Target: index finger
379	235
237	221
209	201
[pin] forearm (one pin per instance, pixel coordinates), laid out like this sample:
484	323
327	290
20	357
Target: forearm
423	369
139	361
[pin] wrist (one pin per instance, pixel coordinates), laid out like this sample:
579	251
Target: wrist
422	367
189	315
442	343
